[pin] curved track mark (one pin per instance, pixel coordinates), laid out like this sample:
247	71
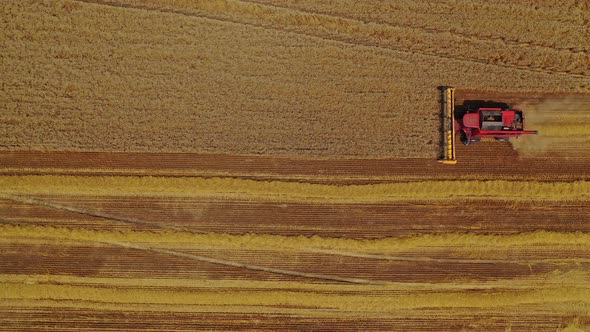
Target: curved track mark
333	38
248	266
305	249
28	200
185	255
431	30
443	260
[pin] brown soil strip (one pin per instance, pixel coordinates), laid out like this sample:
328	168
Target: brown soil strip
18	318
122	262
481	161
330	220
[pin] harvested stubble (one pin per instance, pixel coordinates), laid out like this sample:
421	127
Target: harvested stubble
104	286
214	277
180	239
278	191
313	80
239	77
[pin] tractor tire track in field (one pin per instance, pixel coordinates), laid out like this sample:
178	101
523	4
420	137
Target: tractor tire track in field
327	26
49	249
68	263
131	317
175	253
180	254
246	266
571	167
171	227
460	16
432	30
123	261
85	212
422	259
257	232
335	220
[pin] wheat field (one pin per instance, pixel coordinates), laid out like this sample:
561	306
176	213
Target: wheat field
256	78
240	165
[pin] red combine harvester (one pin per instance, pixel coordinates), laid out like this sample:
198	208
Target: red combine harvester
477	122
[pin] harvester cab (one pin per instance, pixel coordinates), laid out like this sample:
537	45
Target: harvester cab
499	123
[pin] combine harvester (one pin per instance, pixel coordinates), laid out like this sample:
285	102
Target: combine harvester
475	123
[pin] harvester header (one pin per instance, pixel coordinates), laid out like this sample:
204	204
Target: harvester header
448	109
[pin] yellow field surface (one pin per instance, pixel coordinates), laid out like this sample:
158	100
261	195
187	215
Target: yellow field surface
319	296
266	165
300	78
289	192
254	241
543	273
38	288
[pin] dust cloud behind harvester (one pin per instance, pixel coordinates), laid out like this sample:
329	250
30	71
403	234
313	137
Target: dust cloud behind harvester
563	124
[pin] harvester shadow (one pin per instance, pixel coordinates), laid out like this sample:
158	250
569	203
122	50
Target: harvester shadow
442	136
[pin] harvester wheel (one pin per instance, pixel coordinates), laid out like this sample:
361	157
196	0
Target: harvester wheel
464	139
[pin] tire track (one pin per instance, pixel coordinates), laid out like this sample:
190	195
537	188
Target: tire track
133	221
447	260
431	30
229	263
292	192
247	266
185	255
340	39
88	316
303	249
355	171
